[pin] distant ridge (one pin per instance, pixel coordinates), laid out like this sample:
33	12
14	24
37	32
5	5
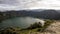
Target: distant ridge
45	14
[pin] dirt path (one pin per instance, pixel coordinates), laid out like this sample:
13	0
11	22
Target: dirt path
52	29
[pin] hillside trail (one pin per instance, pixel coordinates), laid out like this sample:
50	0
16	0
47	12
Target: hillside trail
54	28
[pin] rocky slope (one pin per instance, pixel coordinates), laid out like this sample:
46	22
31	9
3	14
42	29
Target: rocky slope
52	29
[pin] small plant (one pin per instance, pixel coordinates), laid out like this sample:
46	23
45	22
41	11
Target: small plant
35	25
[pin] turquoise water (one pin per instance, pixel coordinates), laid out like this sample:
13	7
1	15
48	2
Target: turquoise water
22	22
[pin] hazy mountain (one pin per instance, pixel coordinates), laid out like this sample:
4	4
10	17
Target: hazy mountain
45	14
50	14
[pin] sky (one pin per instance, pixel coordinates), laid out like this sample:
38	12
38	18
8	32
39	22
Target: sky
29	4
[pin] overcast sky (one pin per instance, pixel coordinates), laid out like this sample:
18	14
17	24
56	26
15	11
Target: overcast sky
29	4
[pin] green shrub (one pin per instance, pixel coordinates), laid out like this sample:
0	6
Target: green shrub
35	25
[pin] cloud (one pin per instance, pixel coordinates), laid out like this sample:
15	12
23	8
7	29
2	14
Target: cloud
29	4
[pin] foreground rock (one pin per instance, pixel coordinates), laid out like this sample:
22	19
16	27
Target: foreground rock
54	28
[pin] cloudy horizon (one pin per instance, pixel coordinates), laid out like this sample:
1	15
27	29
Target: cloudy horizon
29	4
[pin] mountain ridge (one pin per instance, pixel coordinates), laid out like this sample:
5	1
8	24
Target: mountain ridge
44	14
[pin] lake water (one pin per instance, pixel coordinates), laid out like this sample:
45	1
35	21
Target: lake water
22	22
